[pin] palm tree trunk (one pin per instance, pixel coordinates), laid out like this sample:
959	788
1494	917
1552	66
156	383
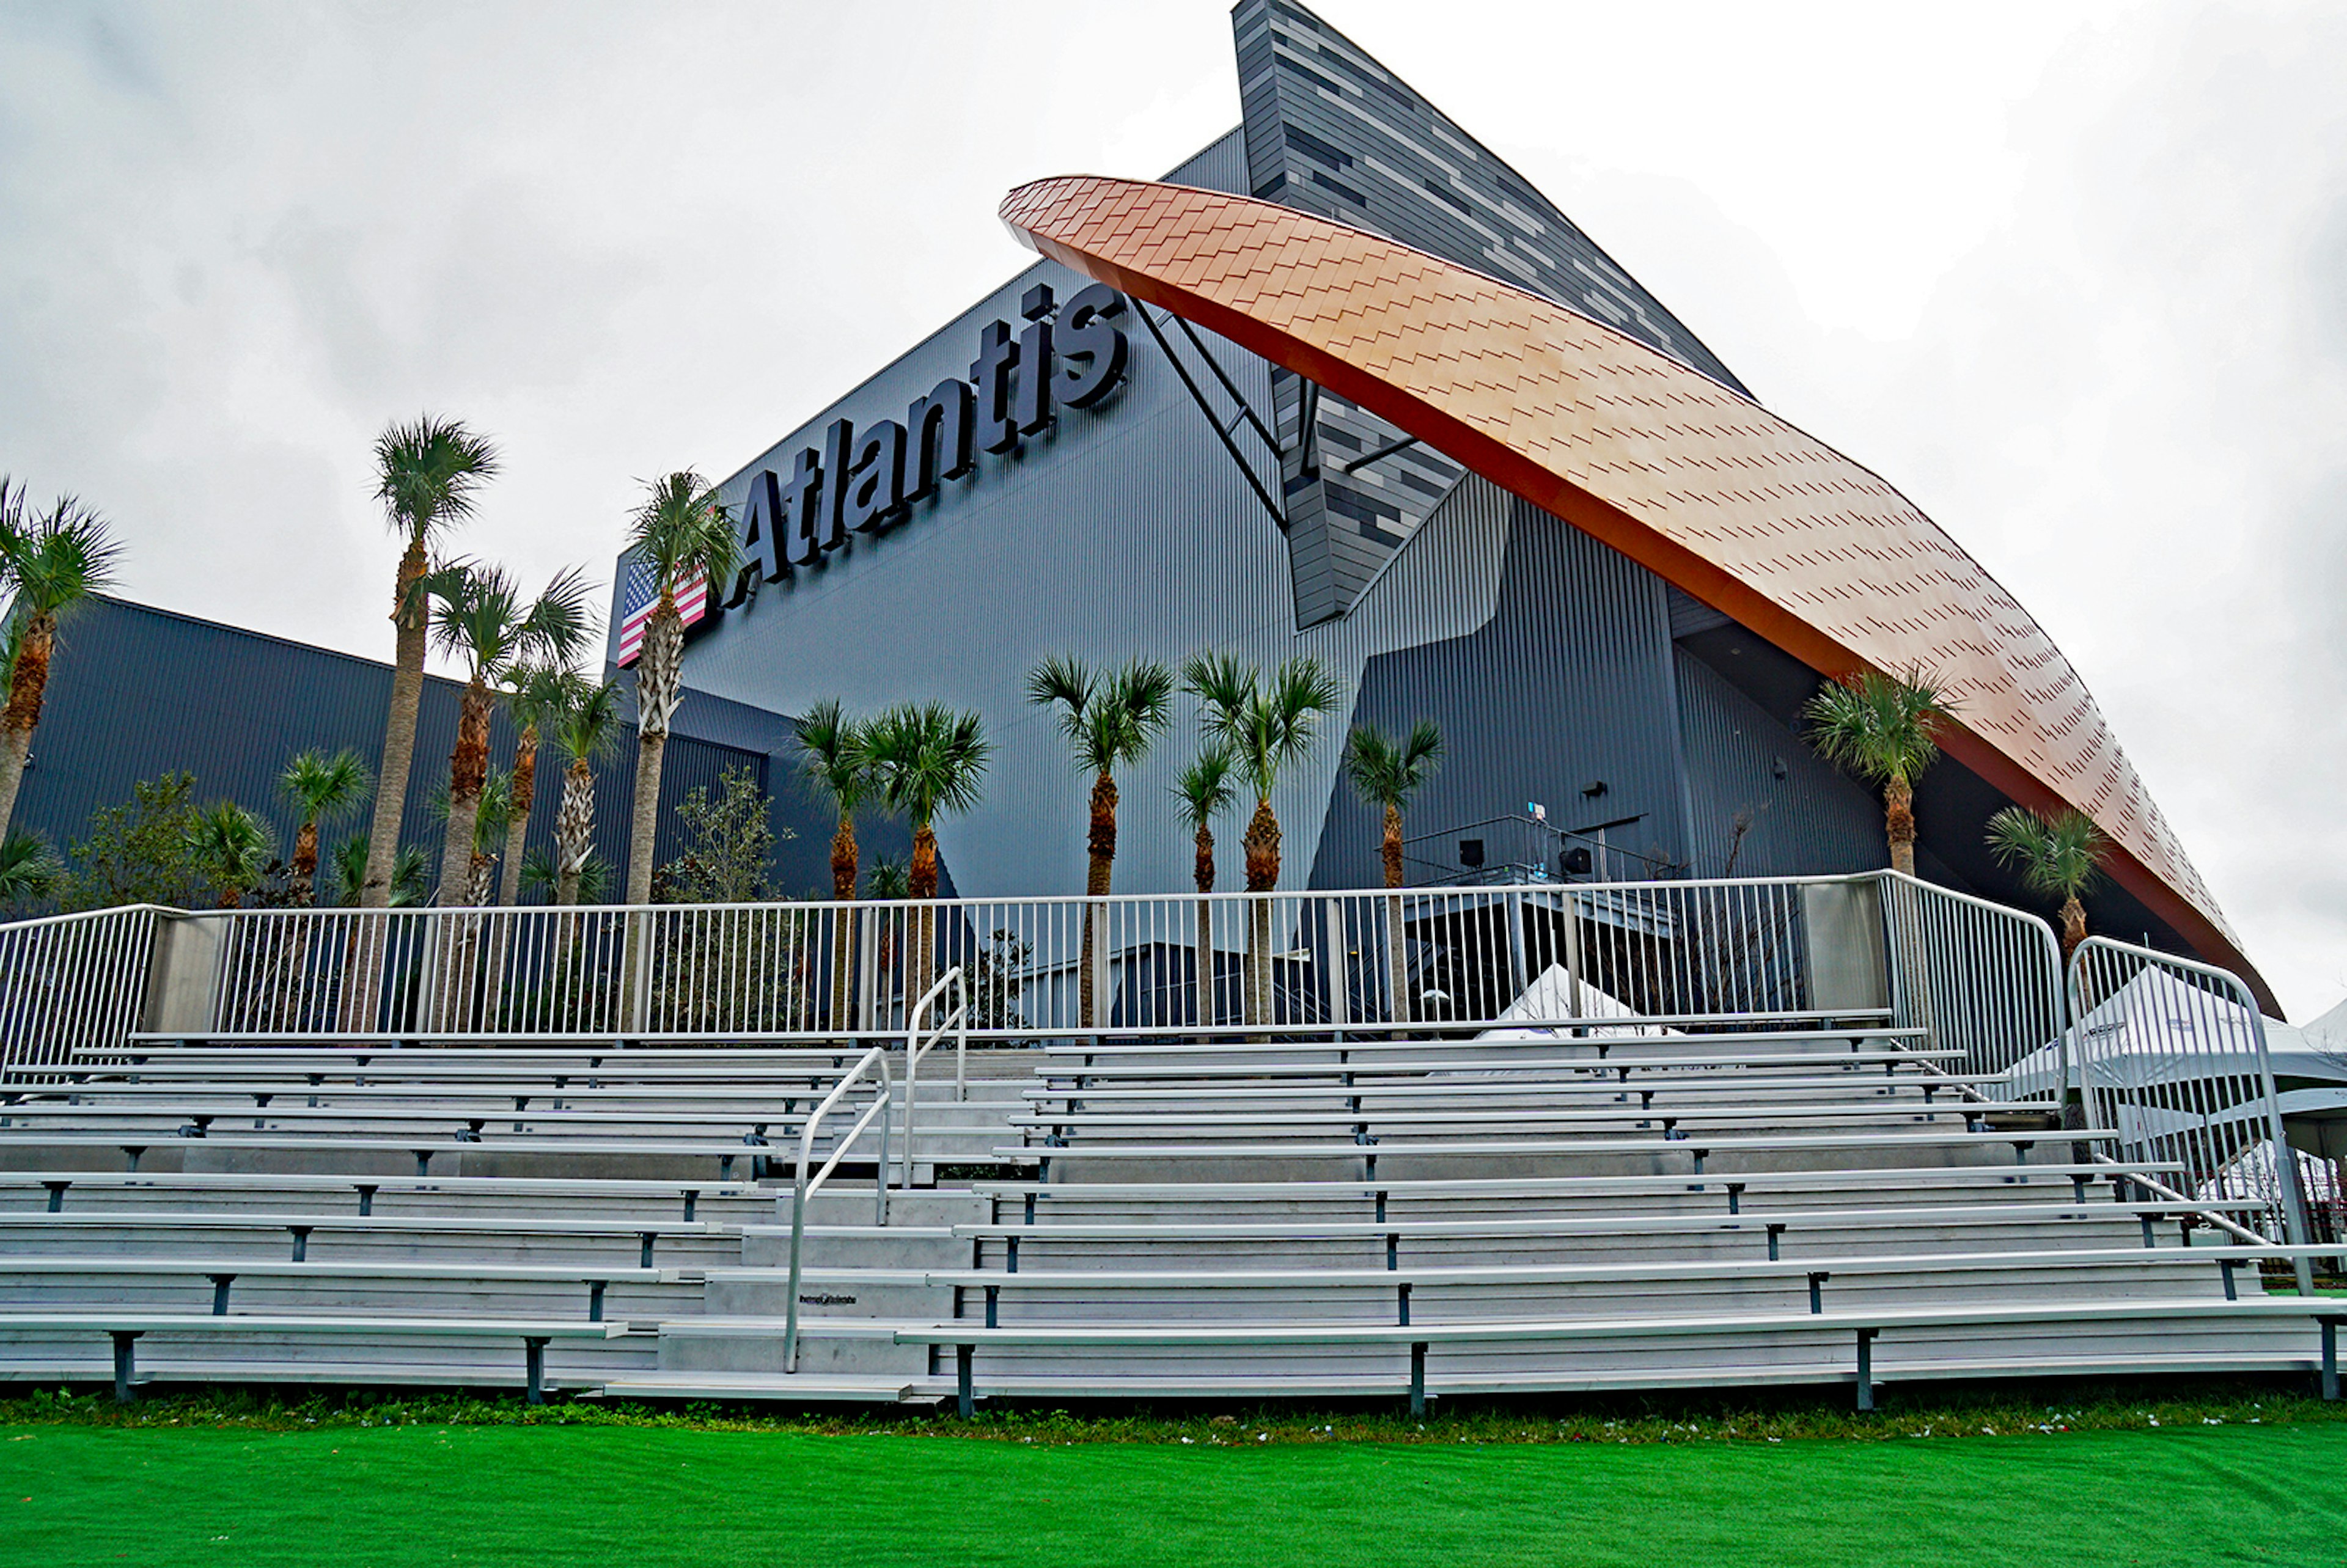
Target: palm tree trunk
2073	927
27	679
659	677
1101	846
525	796
1202	869
1390	851
921	882
399	729
468	770
1262	845
574	830
305	863
1899	824
844	858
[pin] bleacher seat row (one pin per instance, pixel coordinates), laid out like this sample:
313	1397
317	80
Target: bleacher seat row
1827	1202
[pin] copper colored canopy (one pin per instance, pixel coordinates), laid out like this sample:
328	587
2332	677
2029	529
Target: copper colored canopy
1703	488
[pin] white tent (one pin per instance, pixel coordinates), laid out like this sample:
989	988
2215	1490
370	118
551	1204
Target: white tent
1550	1000
2156	1032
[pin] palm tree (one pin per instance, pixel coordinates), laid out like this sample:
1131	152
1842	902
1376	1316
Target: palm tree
1883	728
321	788
49	564
541	875
231	847
426	477
28	868
2059	855
833	754
886	883
679	533
536	695
1111	720
929	761
482	617
1269	728
350	861
585	729
1205	789
1385	773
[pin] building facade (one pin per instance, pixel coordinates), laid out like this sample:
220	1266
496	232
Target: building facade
1203	464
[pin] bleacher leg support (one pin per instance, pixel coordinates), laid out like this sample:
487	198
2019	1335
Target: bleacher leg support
533	1350
962	1354
1417	1377
2331	1358
125	1366
1866	1367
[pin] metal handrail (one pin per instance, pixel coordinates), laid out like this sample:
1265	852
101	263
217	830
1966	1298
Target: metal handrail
876	1060
2297	1230
916	1047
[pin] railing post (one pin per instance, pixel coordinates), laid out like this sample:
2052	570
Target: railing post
1518	979
427	983
1332	937
639	1007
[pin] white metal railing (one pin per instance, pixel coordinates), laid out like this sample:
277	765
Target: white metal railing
75	983
874	1062
919	1045
2171	1054
1310	964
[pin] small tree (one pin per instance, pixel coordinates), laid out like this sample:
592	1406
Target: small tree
541	876
1269	727
678	533
728	844
1111	719
1884	729
50	563
427	475
230	848
1386	775
837	760
2059	855
537	695
930	761
1205	789
587	729
482	618
321	789
137	852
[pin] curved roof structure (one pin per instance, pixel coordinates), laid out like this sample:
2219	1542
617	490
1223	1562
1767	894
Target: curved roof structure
1689	478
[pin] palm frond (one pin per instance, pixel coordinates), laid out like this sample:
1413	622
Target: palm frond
1387	772
322	787
427	474
930	760
835	756
681	530
58	557
589	726
2059	855
231	847
1206	787
886	878
1881	727
29	869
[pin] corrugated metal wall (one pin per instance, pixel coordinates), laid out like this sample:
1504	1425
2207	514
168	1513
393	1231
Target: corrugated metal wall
136	692
1805	816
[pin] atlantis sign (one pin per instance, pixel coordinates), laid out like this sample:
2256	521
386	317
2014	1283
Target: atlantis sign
865	481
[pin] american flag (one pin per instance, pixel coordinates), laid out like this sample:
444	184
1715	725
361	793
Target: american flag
642	595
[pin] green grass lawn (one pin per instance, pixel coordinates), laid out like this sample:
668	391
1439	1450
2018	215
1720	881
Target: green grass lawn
646	1495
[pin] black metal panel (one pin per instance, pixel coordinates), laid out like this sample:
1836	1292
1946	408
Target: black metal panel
137	691
1565	687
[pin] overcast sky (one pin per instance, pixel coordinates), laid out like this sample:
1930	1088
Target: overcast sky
2074	277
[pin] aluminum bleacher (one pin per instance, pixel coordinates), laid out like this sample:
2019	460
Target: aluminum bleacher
1869	1158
